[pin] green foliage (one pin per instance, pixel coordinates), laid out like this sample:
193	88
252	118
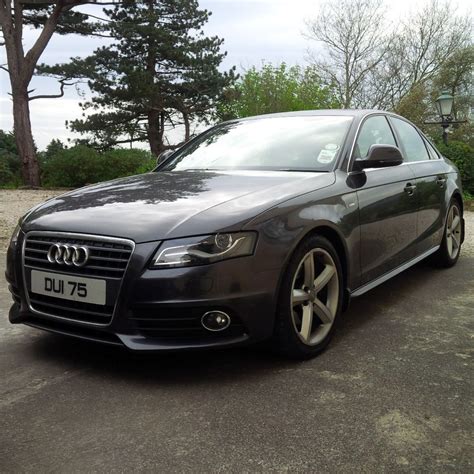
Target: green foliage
7	142
415	106
35	14
54	147
462	155
81	165
276	89
6	176
455	75
10	164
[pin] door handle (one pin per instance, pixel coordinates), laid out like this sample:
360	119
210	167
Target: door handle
410	189
441	180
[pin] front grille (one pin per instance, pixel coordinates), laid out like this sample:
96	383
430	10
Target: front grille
108	259
180	323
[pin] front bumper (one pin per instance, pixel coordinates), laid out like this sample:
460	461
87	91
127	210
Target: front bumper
159	310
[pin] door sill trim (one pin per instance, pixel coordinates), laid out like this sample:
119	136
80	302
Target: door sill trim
386	276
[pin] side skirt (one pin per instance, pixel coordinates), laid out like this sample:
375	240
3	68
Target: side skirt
369	286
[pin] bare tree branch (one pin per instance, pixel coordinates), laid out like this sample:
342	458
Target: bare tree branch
354	40
54	96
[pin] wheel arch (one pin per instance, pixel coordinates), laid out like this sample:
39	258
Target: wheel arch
331	233
457	195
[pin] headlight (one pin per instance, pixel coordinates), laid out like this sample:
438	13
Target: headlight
204	249
16	233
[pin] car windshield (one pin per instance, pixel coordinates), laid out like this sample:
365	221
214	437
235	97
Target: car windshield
304	143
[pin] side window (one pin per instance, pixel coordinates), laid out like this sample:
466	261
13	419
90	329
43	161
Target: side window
375	131
431	150
411	141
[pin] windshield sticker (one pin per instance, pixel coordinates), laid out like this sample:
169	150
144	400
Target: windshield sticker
331	146
326	156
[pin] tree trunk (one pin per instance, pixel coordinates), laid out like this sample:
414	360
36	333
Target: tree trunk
153	132
24	138
187	127
20	70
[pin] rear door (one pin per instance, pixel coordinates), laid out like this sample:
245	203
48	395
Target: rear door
431	175
387	205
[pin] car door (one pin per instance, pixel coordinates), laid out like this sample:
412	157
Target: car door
431	174
387	205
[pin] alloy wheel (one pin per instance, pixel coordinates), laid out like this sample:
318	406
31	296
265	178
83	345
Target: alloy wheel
315	296
453	232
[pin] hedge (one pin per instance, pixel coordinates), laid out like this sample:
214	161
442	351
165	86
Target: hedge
81	165
462	155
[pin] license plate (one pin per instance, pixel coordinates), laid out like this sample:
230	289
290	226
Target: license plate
67	287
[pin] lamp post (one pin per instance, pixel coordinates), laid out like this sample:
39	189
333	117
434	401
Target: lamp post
444	105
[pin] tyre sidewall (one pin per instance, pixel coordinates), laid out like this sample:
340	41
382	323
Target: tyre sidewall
445	258
286	336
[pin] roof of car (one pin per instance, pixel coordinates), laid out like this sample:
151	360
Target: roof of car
334	112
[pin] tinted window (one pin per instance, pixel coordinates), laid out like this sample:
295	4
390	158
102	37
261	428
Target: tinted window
374	131
289	143
411	141
433	153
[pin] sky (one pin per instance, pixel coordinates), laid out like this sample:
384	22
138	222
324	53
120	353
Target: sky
254	31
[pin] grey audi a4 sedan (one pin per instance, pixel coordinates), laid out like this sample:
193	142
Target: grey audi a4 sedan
257	229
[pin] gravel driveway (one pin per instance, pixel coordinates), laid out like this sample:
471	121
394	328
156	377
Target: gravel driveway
13	204
393	393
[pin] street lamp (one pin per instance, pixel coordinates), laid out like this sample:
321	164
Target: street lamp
444	105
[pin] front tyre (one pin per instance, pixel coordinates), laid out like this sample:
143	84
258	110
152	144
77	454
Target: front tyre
310	299
448	253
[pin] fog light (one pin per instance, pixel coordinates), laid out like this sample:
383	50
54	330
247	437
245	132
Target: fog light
215	320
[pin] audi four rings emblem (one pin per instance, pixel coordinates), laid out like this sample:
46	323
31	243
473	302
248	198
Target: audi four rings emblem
68	254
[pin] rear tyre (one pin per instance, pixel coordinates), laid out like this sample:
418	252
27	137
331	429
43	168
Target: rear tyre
310	299
450	248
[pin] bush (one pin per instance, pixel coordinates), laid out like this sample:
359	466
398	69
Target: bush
10	173
81	165
6	176
10	165
462	155
127	162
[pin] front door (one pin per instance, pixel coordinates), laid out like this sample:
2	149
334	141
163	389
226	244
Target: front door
387	206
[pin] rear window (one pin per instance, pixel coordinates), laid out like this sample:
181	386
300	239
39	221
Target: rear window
411	141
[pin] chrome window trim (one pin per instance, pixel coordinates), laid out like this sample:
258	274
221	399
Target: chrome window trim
361	122
387	115
72	235
429	144
417	130
370	170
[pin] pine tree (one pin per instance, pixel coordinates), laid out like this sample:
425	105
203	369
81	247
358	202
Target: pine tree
160	72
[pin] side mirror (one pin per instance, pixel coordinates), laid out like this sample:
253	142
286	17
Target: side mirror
379	156
163	156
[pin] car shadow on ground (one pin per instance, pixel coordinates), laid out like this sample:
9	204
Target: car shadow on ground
194	367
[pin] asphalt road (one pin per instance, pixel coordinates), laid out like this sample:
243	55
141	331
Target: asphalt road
394	392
